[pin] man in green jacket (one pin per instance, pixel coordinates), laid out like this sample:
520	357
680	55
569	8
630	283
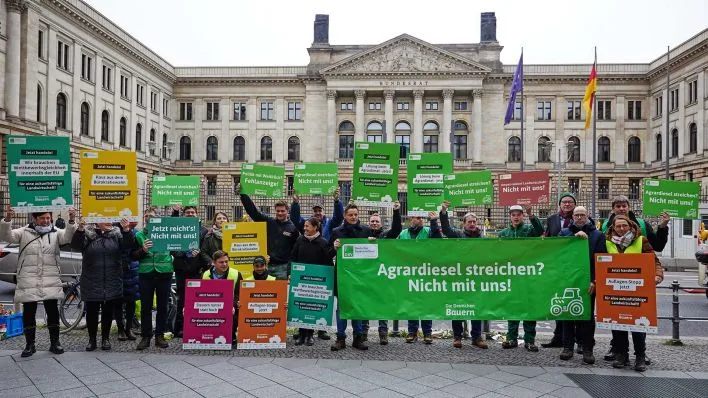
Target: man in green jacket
155	277
519	229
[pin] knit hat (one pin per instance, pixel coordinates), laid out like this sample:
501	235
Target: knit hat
566	195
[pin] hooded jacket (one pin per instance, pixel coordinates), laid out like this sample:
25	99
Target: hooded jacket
281	234
523	230
38	272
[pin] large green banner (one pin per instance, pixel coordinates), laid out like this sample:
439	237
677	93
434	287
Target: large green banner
472	188
173	234
517	279
311	296
175	190
375	180
39	173
678	198
315	178
262	180
425	181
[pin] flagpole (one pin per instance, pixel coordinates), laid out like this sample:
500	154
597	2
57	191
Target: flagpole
522	111
594	144
666	112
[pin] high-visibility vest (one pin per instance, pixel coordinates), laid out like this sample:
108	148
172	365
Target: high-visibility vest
635	247
269	278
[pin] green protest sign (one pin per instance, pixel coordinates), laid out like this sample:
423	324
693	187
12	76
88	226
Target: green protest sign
39	171
472	188
529	278
311	296
175	190
173	234
262	180
375	181
678	198
425	181
315	178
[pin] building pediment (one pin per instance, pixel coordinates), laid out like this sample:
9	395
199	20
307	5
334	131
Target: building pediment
405	55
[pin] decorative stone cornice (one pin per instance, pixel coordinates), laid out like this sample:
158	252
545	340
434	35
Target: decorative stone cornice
331	94
359	94
448	93
418	94
16	6
389	94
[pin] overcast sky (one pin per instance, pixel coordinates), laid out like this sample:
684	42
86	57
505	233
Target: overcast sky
275	32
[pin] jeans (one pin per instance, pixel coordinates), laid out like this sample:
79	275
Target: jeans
427	327
29	313
529	331
383	326
620	340
476	332
181	279
154	284
106	308
279	271
342	327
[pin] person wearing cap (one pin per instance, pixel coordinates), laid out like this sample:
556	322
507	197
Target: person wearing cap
416	231
554	224
469	231
221	270
519	229
260	270
282	234
328	224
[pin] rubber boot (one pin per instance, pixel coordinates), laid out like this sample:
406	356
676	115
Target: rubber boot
29	342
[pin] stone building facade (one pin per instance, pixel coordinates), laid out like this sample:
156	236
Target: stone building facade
68	71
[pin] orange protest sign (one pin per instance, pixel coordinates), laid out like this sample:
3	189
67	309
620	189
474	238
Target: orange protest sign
626	292
262	315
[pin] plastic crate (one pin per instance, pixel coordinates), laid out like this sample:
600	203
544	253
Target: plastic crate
13	324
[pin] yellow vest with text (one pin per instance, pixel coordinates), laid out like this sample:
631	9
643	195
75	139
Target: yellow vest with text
635	247
269	278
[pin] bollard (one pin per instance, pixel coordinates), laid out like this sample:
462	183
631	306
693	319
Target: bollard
675	317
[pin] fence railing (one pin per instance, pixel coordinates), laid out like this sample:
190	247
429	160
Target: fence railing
676	317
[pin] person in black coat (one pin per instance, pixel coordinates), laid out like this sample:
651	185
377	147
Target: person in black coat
311	248
103	250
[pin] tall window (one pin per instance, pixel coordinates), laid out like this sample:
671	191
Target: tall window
152	139
634	184
603	149
140	97
514	150
543	110
634	110
692	138
674	143
40	44
123	133
431	132
62	55
374	132
212	111
104	125
39	102
212	148
544	149
634	150
266	148
86	62
405	144
164	146
107	77
659	146
61	111
138	137
604	110
211	186
603	188
267	110
239	149
346	140
574	149
185	148
185	111
293	148
517	111
692	88
125	86
459	147
574	185
573	110
673	100
294	111
658	105
84	122
239	111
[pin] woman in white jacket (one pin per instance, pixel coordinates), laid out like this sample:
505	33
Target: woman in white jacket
38	272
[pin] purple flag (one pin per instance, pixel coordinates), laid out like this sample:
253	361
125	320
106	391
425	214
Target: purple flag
516	86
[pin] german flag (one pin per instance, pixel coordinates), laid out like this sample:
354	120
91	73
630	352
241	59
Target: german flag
589	97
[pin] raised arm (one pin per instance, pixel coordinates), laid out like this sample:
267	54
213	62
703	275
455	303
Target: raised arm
445	222
64	235
396	223
250	207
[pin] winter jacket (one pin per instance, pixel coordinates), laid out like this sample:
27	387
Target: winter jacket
596	240
103	255
451	232
131	284
523	230
658	240
315	251
328	224
160	262
637	247
554	224
186	262
346	231
393	232
38	272
210	244
281	234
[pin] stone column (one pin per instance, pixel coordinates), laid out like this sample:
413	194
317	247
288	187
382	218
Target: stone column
701	113
332	133
388	114
360	117
446	127
12	58
417	139
477	126
252	143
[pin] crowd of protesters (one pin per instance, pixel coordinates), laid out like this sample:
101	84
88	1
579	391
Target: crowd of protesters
119	268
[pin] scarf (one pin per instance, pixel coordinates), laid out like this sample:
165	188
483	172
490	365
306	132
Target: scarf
312	237
414	231
216	231
623	241
260	277
43	230
567	218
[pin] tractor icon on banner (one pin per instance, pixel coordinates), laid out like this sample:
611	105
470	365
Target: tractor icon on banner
570	302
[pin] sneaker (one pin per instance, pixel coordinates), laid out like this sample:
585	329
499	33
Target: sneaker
338	344
554	343
412	338
621	360
457	343
640	363
383	338
610	356
143	344
428	339
588	357
509	344
322	335
566	354
480	343
532	347
161	342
